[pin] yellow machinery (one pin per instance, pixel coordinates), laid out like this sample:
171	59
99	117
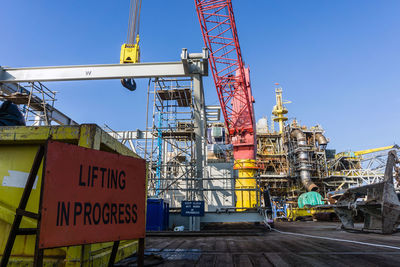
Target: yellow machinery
325	212
18	146
130	53
279	109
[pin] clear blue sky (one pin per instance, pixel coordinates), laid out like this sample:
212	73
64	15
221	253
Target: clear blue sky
337	60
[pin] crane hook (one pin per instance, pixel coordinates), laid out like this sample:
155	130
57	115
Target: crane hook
129	84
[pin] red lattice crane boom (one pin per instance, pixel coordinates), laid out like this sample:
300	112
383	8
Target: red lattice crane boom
232	81
231	78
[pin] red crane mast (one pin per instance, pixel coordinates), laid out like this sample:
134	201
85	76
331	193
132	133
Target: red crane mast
232	81
231	78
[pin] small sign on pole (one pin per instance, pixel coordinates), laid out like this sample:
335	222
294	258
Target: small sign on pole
192	208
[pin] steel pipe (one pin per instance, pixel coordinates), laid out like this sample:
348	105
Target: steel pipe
305	175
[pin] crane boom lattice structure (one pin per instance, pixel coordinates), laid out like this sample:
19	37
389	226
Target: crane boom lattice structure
232	81
172	144
220	35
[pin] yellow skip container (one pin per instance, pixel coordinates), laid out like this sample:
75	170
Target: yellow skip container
18	146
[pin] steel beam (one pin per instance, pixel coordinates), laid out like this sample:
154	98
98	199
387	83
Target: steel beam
189	65
199	129
213	217
213	113
92	72
246	216
131	135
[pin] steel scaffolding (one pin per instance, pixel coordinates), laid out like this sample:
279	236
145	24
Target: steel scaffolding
35	101
350	171
171	146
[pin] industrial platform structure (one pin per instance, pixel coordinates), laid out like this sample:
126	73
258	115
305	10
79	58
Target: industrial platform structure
190	157
236	170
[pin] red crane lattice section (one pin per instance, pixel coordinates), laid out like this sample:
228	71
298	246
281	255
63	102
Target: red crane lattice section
230	77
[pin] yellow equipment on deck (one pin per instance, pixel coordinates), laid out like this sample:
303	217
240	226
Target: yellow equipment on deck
294	214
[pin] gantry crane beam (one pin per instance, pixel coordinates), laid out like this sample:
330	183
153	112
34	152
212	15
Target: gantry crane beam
96	72
190	64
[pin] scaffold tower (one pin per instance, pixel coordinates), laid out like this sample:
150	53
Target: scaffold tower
35	101
171	147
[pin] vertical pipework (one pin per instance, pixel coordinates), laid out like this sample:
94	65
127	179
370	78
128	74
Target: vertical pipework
159	158
302	156
321	139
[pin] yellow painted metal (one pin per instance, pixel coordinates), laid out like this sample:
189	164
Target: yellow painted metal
130	53
279	110
293	213
359	153
247	170
18	146
372	150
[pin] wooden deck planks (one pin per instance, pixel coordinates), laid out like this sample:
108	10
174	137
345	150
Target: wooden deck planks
241	260
260	260
206	260
276	249
275	259
225	259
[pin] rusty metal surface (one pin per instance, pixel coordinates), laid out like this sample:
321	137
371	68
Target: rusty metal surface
91	196
378	202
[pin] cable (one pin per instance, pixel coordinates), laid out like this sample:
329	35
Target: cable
134	21
140	8
337	239
130	22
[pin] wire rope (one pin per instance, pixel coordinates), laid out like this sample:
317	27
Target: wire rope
134	21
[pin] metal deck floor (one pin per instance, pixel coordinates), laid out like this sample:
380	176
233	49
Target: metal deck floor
279	249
